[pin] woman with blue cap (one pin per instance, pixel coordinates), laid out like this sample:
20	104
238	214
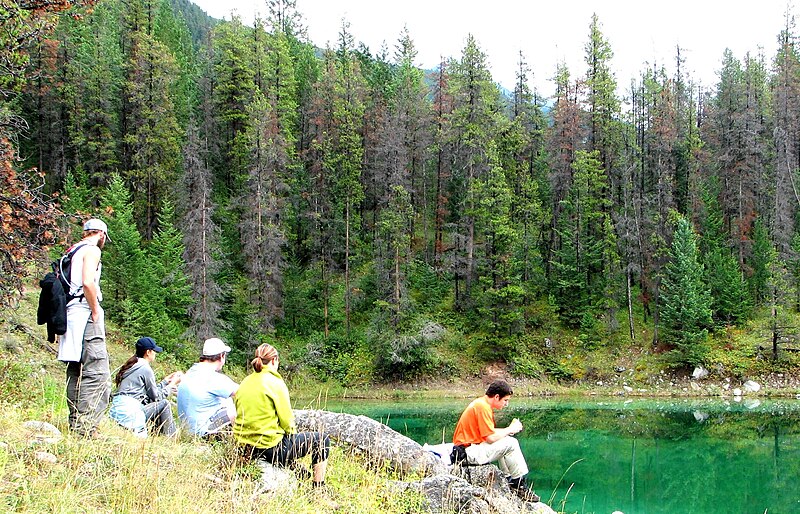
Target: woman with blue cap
139	400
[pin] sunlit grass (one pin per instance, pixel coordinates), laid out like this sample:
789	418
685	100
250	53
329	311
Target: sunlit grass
120	473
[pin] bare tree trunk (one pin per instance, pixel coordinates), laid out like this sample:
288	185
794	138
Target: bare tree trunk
438	246
347	269
397	284
325	294
630	304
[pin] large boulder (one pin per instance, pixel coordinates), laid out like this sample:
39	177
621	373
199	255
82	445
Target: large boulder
699	373
450	493
380	443
274	480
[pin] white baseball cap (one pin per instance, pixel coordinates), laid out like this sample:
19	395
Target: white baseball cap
96	224
215	346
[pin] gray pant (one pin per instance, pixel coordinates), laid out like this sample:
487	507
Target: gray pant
88	381
159	416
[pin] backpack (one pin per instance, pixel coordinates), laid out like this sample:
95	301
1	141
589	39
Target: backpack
56	294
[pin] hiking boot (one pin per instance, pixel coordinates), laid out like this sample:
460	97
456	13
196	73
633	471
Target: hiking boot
520	488
527	495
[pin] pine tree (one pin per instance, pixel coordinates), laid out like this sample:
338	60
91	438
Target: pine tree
474	123
730	299
394	234
759	263
234	88
173	296
588	242
151	133
502	294
125	281
685	311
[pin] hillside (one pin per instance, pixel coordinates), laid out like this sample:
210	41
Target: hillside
116	472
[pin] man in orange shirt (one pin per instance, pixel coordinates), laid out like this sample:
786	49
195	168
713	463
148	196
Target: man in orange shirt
483	443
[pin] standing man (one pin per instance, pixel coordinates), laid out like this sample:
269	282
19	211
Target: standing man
83	346
205	395
478	438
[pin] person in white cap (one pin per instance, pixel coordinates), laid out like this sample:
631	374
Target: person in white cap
205	395
83	346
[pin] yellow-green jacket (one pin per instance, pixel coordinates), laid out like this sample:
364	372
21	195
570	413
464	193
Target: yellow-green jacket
263	411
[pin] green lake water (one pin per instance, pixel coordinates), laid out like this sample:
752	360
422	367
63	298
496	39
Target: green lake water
636	456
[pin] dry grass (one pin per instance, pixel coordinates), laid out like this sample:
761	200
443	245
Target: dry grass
120	473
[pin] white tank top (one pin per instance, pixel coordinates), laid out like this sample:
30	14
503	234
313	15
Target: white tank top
76	275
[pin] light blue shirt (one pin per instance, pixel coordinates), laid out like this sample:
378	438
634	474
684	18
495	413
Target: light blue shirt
200	396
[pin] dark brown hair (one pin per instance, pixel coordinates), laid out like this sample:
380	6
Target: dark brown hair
264	354
129	364
500	387
212	358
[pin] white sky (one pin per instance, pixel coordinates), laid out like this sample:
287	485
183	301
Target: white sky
548	32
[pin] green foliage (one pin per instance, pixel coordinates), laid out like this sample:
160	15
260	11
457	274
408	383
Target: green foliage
759	263
685	313
730	299
356	199
587	261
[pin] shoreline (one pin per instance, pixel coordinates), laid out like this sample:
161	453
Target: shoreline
524	388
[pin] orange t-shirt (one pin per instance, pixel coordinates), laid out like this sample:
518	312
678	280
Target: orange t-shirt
476	423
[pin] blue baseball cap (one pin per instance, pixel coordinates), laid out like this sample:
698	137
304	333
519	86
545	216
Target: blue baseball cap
148	343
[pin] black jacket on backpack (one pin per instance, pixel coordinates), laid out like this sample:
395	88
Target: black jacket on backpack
52	306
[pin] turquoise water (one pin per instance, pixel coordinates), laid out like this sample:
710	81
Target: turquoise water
636	456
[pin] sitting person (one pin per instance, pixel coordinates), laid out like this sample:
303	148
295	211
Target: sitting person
139	401
482	442
264	425
205	395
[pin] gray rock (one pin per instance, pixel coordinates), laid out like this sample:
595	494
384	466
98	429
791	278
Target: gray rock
699	373
274	480
46	457
737	392
488	477
751	386
41	432
695	386
379	442
449	493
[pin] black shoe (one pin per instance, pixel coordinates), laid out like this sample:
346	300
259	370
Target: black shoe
520	488
527	495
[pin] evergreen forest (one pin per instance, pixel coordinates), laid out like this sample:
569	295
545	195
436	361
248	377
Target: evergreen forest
377	221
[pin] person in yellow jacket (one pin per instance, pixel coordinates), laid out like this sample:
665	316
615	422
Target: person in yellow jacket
264	427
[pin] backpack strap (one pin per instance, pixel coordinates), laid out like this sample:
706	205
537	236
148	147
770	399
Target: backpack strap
67	281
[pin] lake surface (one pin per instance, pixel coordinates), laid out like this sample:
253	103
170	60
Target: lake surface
636	456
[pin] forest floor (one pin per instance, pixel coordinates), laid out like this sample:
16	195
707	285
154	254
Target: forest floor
636	371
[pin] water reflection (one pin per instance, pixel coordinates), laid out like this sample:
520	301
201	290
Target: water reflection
638	456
